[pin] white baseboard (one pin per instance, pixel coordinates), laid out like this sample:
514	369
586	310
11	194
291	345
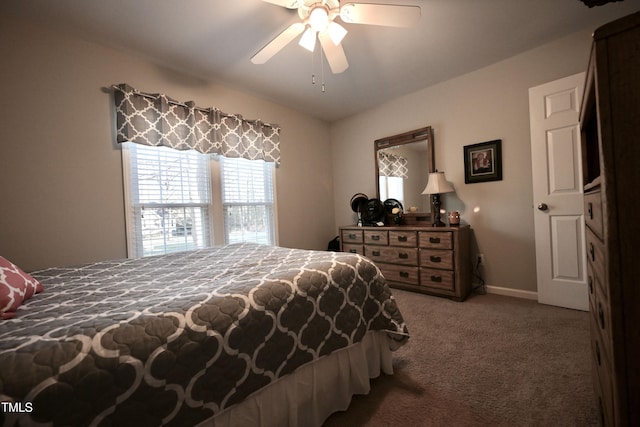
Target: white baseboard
512	292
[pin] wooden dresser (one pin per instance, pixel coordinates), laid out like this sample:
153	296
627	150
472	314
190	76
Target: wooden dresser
610	125
423	259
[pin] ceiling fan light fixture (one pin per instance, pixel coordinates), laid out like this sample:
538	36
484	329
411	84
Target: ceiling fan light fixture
336	32
319	18
308	39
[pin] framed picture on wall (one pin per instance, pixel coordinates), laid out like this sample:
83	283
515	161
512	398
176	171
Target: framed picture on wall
483	162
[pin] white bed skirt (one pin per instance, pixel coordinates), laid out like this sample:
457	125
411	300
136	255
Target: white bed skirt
314	391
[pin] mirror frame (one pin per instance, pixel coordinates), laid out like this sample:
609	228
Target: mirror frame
417	135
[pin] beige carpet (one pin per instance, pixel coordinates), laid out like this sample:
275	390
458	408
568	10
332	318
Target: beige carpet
489	361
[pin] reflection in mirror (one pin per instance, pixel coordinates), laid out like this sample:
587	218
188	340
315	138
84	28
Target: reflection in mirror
403	164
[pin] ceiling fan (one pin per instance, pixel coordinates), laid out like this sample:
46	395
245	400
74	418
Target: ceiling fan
318	20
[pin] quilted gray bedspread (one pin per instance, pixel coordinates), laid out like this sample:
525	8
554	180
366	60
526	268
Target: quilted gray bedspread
175	339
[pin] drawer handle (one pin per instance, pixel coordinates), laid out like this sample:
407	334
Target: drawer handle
598	354
601	315
590	285
590	210
375	253
435	258
434	240
592	252
375	237
353	251
402	238
352	236
403	255
437	279
404	274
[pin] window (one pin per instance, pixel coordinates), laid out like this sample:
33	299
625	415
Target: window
247	199
171	205
169	200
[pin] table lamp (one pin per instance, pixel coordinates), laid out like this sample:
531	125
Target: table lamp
437	185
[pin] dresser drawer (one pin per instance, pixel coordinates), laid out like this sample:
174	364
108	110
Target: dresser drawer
602	316
400	273
403	238
593	212
390	254
353	248
441	279
435	239
436	259
595	254
352	236
594	284
376	237
602	378
591	287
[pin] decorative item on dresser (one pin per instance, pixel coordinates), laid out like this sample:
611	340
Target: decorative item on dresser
437	185
422	259
610	122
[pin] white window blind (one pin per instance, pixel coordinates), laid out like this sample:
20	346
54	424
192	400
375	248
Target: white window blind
391	187
248	200
170	200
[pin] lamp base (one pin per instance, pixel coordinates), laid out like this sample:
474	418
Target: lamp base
436	204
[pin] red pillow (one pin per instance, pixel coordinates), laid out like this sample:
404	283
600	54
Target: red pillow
16	286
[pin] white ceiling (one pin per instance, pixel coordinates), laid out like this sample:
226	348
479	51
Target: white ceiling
215	39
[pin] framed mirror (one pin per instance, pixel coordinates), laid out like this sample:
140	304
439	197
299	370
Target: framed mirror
403	163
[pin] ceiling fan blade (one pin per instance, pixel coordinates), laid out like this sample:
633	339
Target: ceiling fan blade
334	53
289	4
280	41
389	15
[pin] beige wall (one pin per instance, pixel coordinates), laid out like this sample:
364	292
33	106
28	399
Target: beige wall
61	195
491	103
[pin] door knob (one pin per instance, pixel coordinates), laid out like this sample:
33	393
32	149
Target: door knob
543	206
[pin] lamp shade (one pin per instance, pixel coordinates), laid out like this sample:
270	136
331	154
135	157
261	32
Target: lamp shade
437	184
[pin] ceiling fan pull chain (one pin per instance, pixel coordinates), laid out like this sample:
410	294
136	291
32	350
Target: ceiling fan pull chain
322	69
313	68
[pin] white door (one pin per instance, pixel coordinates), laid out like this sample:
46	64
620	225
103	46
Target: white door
557	192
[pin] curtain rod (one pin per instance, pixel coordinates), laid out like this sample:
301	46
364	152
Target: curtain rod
180	104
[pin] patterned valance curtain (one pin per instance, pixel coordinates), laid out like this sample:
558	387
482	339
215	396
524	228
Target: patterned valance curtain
155	119
392	165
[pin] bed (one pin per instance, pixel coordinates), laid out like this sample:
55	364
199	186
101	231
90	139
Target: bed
242	334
